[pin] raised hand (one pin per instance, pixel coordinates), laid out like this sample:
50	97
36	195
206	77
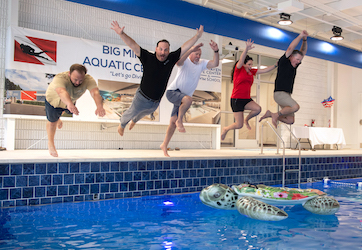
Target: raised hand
199	31
117	28
304	34
214	46
249	44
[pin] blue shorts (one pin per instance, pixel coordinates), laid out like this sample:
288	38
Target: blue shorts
175	97
52	113
238	105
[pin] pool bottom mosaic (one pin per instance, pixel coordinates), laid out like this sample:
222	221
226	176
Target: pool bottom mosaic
45	183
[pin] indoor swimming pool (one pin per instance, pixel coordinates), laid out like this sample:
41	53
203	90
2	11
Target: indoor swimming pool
182	222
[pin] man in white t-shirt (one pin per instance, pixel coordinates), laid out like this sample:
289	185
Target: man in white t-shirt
182	88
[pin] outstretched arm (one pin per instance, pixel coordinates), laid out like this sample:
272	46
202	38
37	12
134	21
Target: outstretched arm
65	98
99	101
249	45
303	35
181	61
266	70
126	39
187	45
215	61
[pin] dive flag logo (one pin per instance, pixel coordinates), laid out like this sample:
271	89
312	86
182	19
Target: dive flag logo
35	50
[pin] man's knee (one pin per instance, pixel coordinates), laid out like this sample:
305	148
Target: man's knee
296	107
187	100
173	119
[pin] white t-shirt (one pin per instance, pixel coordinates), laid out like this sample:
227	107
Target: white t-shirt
188	76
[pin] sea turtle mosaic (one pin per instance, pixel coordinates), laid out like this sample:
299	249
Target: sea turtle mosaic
256	201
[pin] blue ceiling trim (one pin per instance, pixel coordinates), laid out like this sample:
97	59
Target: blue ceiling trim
191	16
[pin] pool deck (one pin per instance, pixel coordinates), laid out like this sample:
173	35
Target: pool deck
35	156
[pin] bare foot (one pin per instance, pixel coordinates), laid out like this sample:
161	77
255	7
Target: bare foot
60	124
275	119
247	124
180	126
131	125
223	134
266	115
164	149
120	130
52	151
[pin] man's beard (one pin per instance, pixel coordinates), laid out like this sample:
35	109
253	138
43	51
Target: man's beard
76	86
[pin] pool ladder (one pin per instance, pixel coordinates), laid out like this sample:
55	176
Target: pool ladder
298	170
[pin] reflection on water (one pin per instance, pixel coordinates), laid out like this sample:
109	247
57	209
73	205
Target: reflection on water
182	222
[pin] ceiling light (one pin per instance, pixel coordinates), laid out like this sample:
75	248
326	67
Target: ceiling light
337	32
284	19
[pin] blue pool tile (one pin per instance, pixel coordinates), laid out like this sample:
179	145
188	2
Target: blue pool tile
150	165
21	202
223	163
210	163
142	165
84	189
123	166
178	173
158	165
145	193
69	179
132	186
207	172
217	163
145	176
4	169
21	181
203	182
40	168
174	165
114	166
123	186
173	183
181	183
170	174
181	164
57	179
39	191
9	203
100	177
185	173
158	184
203	163
128	176
162	175
9	182
165	184
188	182
193	173
118	177
52	168
196	163
34	180
137	176
95	167
63	167
15	193
28	169
62	190
154	175
150	185
132	166
52	191
189	164
74	167
68	199
94	188
141	185
57	200
45	180
113	187
104	166
109	177
200	173
33	202
4	194
104	188
166	165
16	169
213	172
89	178
79	178
73	189
45	201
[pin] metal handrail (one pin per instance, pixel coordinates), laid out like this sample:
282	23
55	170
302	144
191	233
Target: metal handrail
299	157
277	134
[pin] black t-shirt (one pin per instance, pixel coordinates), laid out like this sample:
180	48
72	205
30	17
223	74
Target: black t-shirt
156	73
285	75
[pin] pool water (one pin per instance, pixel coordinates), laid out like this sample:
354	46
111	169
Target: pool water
180	222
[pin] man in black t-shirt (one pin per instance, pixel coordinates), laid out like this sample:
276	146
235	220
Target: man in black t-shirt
157	68
284	82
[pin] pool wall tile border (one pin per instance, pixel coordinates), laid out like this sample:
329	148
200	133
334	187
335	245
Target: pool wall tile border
46	183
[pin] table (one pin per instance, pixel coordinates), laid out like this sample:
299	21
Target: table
320	135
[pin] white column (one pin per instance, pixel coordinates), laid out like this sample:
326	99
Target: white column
9	133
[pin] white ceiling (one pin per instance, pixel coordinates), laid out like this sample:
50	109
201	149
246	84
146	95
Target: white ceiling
317	16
